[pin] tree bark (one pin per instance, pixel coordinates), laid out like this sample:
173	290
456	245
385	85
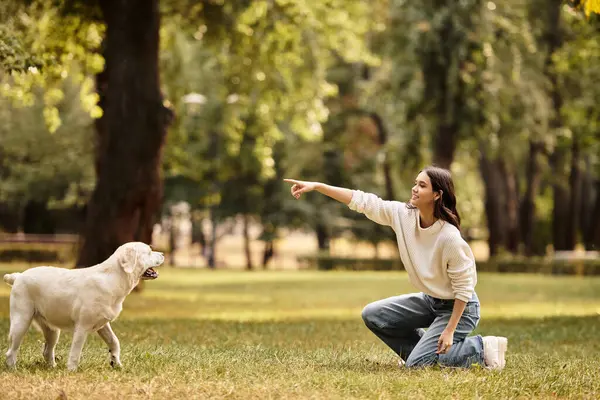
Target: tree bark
443	83
558	159
512	206
268	253
444	144
323	237
560	211
575	183
324	242
172	242
534	178
247	251
495	203
212	243
130	134
589	194
594	231
387	168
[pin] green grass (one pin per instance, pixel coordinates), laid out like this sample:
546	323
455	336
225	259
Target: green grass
201	334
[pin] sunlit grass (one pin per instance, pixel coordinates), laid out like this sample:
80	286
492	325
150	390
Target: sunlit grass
214	334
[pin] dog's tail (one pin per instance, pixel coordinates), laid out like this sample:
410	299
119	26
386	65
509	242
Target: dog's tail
11	278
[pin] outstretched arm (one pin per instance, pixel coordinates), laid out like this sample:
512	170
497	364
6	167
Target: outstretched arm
337	193
378	210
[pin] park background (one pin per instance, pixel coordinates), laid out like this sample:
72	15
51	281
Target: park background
173	122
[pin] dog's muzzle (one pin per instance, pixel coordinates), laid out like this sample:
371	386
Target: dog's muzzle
150	273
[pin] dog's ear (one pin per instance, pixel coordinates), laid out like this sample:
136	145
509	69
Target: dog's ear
128	259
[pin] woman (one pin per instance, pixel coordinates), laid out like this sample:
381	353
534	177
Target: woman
439	264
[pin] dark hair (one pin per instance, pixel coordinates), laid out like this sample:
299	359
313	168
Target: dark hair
444	207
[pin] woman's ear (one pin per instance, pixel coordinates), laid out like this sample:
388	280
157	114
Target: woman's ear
439	196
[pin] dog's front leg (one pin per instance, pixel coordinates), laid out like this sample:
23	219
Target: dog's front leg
79	337
114	348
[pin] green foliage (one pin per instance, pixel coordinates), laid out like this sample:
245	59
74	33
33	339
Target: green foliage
286	89
263	82
272	58
54	169
41	46
575	64
37	253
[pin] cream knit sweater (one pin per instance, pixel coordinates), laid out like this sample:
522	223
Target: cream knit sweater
438	260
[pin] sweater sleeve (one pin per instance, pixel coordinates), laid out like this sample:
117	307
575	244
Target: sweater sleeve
376	209
461	268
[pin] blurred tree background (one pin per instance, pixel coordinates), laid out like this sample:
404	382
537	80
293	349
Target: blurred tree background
113	111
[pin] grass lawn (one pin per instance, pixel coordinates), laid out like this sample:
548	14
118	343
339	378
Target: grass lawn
232	334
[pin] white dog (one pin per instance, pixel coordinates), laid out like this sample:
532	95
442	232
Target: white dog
85	299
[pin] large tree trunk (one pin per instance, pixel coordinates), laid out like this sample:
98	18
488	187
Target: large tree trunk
495	203
323	237
510	187
247	251
575	183
445	90
594	230
172	242
558	159
587	194
131	132
324	242
387	168
560	211
212	243
272	204
444	144
533	179
268	253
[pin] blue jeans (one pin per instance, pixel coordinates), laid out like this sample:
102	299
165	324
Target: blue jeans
399	320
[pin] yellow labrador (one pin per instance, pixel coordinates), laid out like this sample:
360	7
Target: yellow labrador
85	300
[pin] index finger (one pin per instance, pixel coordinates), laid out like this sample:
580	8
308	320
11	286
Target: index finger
291	181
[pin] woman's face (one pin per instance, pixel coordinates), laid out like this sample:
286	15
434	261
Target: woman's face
423	195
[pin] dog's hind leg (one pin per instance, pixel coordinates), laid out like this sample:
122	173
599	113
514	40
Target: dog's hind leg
114	348
51	336
79	337
21	314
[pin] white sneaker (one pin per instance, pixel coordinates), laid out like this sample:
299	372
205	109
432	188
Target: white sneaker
494	349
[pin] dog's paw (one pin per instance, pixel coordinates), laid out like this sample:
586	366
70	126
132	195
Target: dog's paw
50	361
71	367
116	364
11	362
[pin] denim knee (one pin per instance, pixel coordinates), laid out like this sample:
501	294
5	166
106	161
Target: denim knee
370	313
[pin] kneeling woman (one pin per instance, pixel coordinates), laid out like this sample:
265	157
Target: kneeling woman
439	263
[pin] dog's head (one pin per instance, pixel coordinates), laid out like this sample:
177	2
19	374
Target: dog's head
138	259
